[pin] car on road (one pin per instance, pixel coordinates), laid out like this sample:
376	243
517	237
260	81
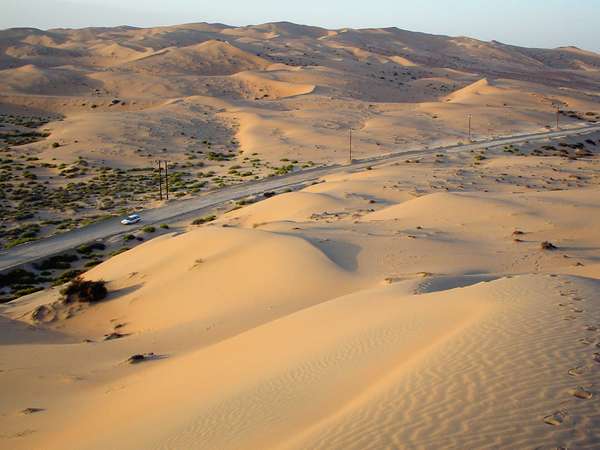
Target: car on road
131	219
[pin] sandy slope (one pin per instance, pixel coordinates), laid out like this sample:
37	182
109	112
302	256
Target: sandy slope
405	306
388	308
274	93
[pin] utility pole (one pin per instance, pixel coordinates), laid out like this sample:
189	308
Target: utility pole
167	178
470	116
350	148
160	179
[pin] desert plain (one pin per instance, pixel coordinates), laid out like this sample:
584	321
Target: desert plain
449	299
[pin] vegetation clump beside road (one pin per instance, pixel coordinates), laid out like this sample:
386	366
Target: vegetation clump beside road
40	198
203	220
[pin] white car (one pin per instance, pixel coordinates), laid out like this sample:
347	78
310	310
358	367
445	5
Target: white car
130	220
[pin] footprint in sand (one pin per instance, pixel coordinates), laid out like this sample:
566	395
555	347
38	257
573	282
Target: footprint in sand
586	341
591	328
577	310
596	357
570	318
581	393
556	418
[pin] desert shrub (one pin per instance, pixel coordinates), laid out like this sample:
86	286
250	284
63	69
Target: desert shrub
128	237
26	291
548	246
149	229
57	262
17	277
119	251
14	242
67	276
84	291
203	220
283	170
164	226
93	263
55	145
88	249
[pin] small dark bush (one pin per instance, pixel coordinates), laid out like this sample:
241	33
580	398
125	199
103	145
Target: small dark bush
93	263
55	145
17	277
57	262
548	246
203	220
164	226
84	291
88	249
26	291
149	229
67	276
118	252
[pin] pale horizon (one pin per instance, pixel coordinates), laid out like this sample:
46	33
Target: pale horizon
537	24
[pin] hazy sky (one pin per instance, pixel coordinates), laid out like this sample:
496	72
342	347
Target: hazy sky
533	23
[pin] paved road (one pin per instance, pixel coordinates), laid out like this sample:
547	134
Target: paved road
181	209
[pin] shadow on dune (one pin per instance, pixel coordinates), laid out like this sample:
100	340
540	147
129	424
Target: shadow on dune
13	332
445	283
341	253
118	293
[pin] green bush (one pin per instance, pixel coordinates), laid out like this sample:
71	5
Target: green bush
118	252
57	262
149	229
80	290
67	276
203	220
27	291
88	249
16	277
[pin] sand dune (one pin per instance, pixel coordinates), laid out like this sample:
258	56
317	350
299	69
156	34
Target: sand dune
260	85
439	300
295	206
209	266
208	58
34	80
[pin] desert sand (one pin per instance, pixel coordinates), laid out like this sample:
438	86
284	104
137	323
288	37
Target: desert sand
93	110
409	305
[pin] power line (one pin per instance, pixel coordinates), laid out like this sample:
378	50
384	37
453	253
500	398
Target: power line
470	116
350	147
167	178
160	179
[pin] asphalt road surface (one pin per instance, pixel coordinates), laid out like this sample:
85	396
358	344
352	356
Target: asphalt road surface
180	209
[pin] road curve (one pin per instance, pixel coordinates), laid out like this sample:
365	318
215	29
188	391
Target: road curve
180	209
